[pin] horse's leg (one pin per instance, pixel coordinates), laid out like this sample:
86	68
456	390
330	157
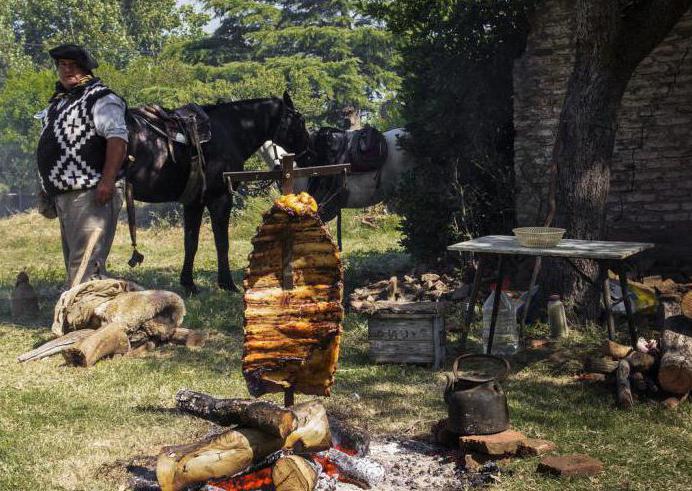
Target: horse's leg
192	216
220	212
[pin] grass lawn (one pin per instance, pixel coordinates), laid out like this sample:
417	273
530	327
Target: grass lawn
64	428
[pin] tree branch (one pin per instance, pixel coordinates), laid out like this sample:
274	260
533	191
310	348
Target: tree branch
645	23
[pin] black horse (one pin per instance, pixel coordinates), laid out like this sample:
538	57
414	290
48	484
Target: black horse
237	131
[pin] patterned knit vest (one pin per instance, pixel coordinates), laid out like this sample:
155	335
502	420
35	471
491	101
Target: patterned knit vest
70	153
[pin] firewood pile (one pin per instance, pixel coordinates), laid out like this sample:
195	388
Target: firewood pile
657	369
406	289
296	448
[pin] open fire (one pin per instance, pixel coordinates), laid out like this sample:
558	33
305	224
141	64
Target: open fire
261	479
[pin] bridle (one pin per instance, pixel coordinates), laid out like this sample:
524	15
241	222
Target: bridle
288	115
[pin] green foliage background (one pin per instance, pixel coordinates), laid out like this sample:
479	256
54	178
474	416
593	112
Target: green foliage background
328	54
457	58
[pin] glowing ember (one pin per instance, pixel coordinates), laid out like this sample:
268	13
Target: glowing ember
261	480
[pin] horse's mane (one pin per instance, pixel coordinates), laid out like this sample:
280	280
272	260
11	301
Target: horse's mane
242	102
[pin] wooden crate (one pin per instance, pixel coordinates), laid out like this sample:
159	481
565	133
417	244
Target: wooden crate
407	337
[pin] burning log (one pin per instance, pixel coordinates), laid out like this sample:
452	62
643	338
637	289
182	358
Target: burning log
675	372
222	455
264	415
233	451
312	433
294	473
362	472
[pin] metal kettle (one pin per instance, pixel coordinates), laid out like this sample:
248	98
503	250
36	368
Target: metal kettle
476	403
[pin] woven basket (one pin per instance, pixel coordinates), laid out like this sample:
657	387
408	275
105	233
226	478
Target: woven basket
539	236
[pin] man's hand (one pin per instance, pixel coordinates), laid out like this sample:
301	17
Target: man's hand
104	191
116	149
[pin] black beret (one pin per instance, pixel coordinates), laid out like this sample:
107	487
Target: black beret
76	53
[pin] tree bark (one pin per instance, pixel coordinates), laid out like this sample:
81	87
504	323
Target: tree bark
611	40
55	346
264	415
675	372
294	473
363	472
624	391
615	350
105	341
219	456
686	305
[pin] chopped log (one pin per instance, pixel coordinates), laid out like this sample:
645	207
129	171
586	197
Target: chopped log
312	433
360	471
675	371
108	340
141	350
686	304
353	438
189	337
264	415
640	362
219	456
674	402
638	382
668	306
55	346
392	289
294	473
600	365
624	392
615	350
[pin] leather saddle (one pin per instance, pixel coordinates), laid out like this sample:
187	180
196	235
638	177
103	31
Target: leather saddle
188	125
178	125
365	149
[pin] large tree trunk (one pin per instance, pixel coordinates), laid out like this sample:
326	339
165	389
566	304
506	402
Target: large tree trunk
611	40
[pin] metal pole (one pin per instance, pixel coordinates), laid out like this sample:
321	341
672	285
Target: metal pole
622	273
468	319
607	301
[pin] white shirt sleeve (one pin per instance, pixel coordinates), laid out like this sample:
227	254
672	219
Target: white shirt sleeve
109	117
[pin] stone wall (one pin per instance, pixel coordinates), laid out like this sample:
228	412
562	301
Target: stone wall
651	178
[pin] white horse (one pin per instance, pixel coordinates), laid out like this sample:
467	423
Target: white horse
364	188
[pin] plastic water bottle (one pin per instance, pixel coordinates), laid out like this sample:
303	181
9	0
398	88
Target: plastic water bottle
506	337
557	318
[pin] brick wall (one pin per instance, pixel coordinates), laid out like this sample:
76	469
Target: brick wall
651	177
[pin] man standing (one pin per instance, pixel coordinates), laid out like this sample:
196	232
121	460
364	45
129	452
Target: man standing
82	147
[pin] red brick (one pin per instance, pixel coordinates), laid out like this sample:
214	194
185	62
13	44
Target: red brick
502	443
533	446
574	465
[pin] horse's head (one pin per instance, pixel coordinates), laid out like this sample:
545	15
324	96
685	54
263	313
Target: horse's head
291	133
